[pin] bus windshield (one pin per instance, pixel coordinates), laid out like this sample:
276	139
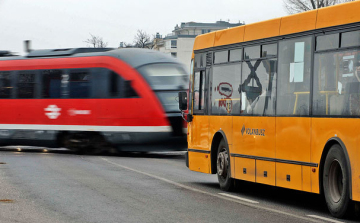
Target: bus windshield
165	76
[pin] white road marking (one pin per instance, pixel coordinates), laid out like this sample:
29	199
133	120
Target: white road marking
325	219
211	194
240	198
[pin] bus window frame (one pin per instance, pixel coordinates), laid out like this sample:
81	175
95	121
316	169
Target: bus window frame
202	110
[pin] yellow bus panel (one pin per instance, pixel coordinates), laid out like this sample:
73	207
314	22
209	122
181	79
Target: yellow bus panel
298	23
265	172
254	136
262	30
245	169
306	178
346	130
199	162
199	133
338	15
293	138
288	176
229	36
223	123
204	41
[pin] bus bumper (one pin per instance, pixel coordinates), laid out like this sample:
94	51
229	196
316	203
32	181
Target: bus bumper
187	159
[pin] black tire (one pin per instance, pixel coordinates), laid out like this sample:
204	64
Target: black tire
336	179
223	169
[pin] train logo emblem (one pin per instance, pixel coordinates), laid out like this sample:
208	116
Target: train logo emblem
52	111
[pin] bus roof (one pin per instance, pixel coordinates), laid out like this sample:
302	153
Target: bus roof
135	57
341	14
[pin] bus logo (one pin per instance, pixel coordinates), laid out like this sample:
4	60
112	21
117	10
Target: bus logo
252	131
52	111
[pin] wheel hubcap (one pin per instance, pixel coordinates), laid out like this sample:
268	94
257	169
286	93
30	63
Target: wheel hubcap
335	181
222	163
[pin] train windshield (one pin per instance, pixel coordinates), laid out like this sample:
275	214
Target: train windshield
165	76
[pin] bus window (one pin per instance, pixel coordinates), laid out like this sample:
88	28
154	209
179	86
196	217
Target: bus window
51	83
79	84
225	96
349	39
197	91
221	57
26	84
294	77
5	84
337	84
327	42
235	55
252	52
258	88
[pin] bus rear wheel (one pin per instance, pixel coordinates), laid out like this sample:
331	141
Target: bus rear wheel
223	167
336	182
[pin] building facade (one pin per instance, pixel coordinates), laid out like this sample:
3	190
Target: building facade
181	41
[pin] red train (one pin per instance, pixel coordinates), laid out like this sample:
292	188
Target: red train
91	98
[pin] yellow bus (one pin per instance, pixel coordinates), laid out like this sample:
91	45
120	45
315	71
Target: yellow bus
278	103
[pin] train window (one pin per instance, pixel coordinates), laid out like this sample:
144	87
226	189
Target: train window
252	52
327	42
129	90
26	84
79	84
51	84
5	84
114	83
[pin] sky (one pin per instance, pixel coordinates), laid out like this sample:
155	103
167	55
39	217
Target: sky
51	24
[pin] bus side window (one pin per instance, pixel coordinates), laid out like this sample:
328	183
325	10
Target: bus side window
337	83
5	84
293	95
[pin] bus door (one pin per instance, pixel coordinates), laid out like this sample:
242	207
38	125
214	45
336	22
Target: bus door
199	154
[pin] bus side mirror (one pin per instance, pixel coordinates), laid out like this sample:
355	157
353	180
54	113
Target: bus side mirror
182	101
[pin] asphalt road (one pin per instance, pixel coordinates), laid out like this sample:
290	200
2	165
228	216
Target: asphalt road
57	186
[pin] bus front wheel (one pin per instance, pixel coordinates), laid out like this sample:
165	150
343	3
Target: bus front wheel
223	167
336	182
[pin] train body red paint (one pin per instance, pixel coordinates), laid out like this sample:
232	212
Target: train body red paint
87	100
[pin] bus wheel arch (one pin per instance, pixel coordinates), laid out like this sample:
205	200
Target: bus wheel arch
220	135
335	177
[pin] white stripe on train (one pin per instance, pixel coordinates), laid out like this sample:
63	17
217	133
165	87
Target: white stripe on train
87	128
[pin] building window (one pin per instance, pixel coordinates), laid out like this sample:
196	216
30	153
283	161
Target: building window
173	44
174	54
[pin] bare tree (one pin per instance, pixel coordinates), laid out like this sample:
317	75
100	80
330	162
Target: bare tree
96	41
296	6
143	40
